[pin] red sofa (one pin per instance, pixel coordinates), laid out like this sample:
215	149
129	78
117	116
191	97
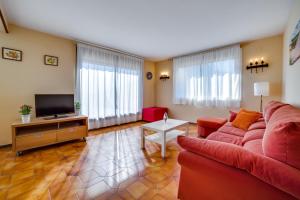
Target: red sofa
152	114
261	163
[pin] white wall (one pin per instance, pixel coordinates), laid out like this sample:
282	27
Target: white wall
291	74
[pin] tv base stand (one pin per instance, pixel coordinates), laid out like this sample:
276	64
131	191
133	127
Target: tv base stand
55	117
41	132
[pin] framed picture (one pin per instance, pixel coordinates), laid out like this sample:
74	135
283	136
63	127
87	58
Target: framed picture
149	75
11	54
295	44
51	60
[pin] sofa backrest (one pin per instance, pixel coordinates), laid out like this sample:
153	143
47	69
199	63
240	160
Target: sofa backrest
270	108
281	140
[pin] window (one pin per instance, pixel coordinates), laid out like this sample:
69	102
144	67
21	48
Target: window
109	86
208	79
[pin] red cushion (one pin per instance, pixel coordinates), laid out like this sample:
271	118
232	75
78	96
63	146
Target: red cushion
260	124
270	108
229	129
254	146
224	137
282	137
279	175
253	135
232	115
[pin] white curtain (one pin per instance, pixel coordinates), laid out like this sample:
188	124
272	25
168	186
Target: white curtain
109	86
210	78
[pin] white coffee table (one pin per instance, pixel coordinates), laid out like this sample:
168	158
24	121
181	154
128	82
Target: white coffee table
164	132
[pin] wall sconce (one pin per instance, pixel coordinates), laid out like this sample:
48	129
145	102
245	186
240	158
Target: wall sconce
257	64
164	76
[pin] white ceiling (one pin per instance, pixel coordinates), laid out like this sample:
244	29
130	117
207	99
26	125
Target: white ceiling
154	29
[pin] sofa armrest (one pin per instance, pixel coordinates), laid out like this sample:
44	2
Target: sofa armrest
278	174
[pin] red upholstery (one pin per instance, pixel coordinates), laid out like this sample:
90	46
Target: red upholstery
208	125
260	163
224	137
202	178
232	115
254	146
270	108
253	135
152	114
282	138
228	128
260	124
270	171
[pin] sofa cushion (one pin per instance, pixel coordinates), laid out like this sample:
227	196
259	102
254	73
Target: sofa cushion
281	140
277	174
224	137
245	118
229	129
260	124
270	108
254	146
232	115
253	135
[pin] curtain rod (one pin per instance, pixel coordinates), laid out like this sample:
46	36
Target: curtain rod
110	49
206	50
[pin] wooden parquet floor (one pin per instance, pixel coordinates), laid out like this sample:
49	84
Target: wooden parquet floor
109	165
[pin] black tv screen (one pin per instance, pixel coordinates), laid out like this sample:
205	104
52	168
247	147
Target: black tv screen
53	104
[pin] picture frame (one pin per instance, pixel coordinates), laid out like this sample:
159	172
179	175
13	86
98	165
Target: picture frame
12	54
51	60
294	46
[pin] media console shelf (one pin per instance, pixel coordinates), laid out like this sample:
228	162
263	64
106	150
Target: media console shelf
41	132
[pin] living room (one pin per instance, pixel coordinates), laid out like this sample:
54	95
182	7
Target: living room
150	100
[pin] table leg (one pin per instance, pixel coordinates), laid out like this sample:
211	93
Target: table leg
187	129
163	144
142	138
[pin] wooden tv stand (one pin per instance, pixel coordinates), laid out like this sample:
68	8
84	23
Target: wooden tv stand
41	132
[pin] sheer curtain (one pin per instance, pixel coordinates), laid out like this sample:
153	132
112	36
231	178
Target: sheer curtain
211	78
109	86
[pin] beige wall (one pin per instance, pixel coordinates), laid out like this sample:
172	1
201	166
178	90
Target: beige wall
269	48
291	74
19	81
149	85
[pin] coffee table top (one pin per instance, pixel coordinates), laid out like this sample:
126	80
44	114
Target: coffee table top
162	126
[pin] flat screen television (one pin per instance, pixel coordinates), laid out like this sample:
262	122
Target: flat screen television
54	104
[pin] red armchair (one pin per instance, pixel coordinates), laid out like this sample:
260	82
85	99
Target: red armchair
152	114
261	163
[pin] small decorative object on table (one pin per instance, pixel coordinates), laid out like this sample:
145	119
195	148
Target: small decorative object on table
25	111
77	108
165	117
